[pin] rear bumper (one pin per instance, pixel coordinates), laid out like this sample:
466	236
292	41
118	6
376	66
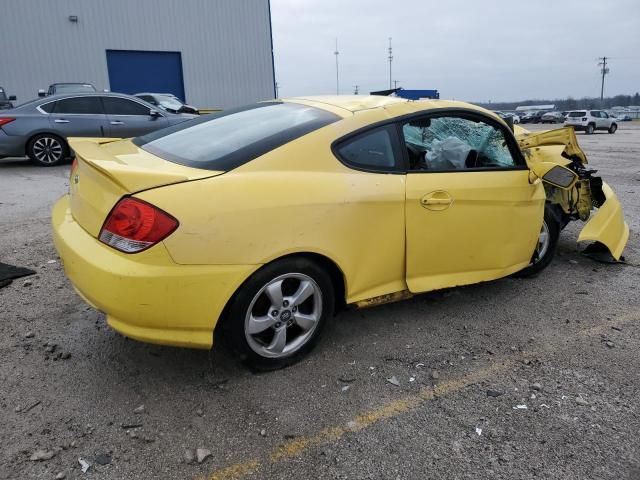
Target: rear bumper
145	296
607	225
11	145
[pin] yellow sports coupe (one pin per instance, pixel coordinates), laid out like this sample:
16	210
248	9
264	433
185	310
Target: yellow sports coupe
257	224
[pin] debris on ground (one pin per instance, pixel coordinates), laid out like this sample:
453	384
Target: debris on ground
42	455
520	407
139	409
202	454
61	476
494	393
581	401
393	381
8	273
84	465
536	386
103	458
478	431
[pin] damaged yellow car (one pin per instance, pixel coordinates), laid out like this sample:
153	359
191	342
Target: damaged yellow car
258	223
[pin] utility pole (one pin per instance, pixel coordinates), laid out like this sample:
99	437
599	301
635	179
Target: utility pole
336	53
604	70
277	90
390	61
395	83
356	89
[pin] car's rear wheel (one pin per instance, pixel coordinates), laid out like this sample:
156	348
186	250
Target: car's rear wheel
47	150
277	315
590	129
613	128
547	242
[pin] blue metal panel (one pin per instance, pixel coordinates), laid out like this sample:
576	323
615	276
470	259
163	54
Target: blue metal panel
135	71
417	94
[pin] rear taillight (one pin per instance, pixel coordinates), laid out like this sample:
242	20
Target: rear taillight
5	120
134	225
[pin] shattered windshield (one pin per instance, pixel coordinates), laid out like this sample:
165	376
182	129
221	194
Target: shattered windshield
452	143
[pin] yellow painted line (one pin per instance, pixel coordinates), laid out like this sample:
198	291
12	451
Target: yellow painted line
298	446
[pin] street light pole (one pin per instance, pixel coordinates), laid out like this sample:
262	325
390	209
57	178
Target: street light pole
604	70
390	61
336	53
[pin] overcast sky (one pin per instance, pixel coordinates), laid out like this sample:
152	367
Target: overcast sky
474	50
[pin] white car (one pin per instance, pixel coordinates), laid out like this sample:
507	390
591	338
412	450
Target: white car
591	120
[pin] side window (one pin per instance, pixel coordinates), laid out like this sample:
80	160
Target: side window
604	115
122	106
148	98
79	105
455	143
370	150
48	107
594	113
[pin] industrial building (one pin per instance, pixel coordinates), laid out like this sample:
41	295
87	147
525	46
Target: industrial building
212	54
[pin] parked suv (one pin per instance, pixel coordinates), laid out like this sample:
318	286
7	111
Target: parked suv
69	87
5	101
591	120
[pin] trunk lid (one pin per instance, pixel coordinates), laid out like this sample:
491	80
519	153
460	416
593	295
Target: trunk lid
108	169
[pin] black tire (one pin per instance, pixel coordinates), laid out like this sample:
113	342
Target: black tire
613	128
252	298
47	150
553	224
590	129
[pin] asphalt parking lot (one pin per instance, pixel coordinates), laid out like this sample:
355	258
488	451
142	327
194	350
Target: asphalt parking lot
518	379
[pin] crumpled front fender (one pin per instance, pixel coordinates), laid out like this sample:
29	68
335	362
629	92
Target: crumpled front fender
607	225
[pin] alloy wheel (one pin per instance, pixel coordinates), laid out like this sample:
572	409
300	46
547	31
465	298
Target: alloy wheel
544	238
283	315
48	150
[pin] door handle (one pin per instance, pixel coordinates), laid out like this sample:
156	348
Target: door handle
438	200
60	120
116	122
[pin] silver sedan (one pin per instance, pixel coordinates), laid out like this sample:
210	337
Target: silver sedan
39	128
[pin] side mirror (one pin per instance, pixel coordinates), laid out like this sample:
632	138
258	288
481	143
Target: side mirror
554	174
12	98
41	93
154	113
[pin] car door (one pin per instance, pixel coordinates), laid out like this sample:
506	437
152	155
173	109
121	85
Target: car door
129	118
472	213
606	119
79	116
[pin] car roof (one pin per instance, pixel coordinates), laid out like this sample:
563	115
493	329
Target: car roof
86	94
347	105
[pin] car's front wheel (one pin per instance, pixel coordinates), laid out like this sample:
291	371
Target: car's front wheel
47	150
277	315
613	128
547	242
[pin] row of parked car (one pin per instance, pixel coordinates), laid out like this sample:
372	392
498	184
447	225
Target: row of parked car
541	116
39	128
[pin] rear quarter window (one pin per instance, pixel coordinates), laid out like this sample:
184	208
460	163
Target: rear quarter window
229	139
577	114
